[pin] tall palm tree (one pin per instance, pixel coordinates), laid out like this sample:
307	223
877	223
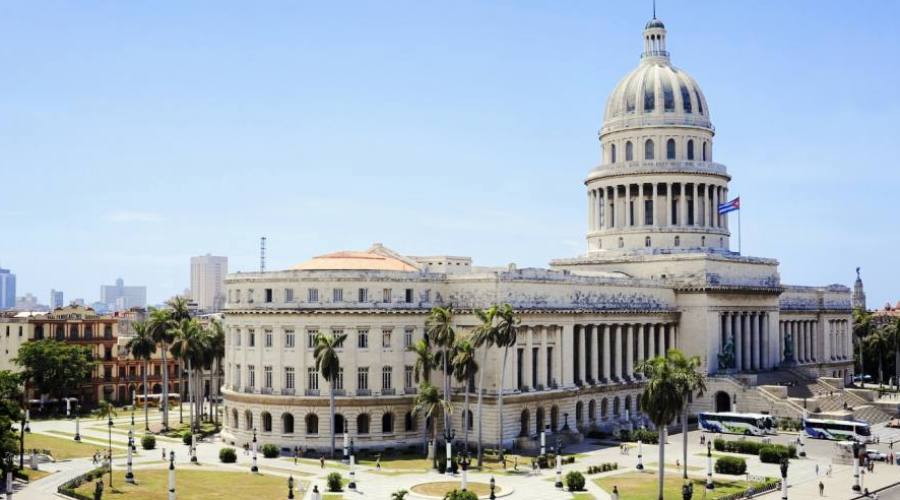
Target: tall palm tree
895	340
878	341
160	325
464	369
661	400
429	402
425	359
862	326
507	333
439	328
484	336
189	347
180	312
217	350
328	363
142	346
691	380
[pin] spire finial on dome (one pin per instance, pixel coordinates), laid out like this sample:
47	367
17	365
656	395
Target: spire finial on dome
654	9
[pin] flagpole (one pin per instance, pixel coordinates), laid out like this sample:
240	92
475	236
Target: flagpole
739	231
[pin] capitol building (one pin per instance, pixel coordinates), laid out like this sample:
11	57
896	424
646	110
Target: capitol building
659	272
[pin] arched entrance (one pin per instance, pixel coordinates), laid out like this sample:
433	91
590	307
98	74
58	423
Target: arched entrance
723	401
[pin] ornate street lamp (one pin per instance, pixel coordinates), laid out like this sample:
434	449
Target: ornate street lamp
193	447
346	447
559	483
493	487
709	469
171	475
464	462
77	422
131	431
352	483
640	464
290	487
543	443
129	475
784	484
109	424
856	453
254	468
9	475
449	435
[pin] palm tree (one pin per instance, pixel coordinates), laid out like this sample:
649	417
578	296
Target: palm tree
180	312
895	340
878	342
188	347
464	369
862	326
425	359
661	400
142	346
483	337
428	401
217	350
439	328
328	364
507	332
691	380
160	326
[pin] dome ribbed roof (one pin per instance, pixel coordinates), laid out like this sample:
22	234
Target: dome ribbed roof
654	23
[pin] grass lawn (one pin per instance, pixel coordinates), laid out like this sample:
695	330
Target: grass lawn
60	448
34	475
654	465
194	485
400	463
642	486
332	496
583	496
440	488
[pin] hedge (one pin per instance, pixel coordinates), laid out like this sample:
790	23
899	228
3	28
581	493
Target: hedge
604	467
731	465
334	482
574	481
148	442
227	455
548	460
774	453
68	488
645	435
460	495
756	448
270	451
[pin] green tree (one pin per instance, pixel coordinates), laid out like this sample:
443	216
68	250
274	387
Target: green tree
862	326
10	413
440	331
464	369
55	368
507	333
484	336
878	342
429	403
661	401
691	380
425	361
217	350
142	346
328	363
161	326
180	312
188	346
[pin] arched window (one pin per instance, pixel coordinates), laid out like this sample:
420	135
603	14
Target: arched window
579	413
670	149
248	420
362	424
677	241
409	424
621	242
612	153
523	423
604	408
287	423
554	418
266	422
629	151
312	423
647	241
539	420
616	405
690	149
387	423
592	410
340	425
648	149
234	419
628	404
705	151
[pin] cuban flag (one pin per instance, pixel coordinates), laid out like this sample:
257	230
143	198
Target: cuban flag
730	206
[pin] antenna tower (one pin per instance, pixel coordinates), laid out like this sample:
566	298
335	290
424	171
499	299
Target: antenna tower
262	254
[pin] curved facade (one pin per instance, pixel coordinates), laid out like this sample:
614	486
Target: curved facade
658	273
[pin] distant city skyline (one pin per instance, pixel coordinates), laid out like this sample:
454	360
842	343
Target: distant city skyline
137	136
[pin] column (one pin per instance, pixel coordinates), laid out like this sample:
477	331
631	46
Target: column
668	207
542	356
754	341
639	209
780	356
607	332
696	203
528	372
682	205
792	328
595	353
579	331
601	208
566	350
651	339
814	340
673	336
807	353
726	325
628	370
657	213
619	350
614	210
641	331
738	342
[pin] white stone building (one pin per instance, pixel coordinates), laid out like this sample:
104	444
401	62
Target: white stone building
208	281
658	273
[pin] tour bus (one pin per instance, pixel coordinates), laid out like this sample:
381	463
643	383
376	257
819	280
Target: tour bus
755	424
840	430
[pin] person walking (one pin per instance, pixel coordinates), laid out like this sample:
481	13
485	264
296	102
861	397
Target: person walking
322	462
821	489
615	493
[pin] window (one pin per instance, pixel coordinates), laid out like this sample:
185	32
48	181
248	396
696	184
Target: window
289	377
311	338
703	241
312	424
268	295
387	377
337	295
289	339
237	337
362	424
312	295
649	95
362	338
685	99
386	295
287	423
648	212
668	95
362	378
237	375
312	379
629	151
408	337
705	151
237	296
251	376
621	242
339	381
267	377
670	149
251	338
268	333
266	422
647	241
677	241
699	102
648	149
409	295
288	294
690	149
408	423
386	338
335	332
363	295
612	153
387	423
408	377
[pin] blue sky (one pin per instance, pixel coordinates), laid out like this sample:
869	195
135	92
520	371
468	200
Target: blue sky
136	134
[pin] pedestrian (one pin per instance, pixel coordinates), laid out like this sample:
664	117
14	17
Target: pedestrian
322	462
516	463
829	471
615	493
821	489
378	462
817	470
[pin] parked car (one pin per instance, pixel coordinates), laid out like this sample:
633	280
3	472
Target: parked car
876	455
895	423
858	378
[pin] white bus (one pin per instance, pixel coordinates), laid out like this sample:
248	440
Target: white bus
748	424
839	430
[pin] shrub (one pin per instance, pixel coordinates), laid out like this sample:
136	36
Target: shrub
574	481
731	465
773	453
186	438
270	451
460	495
604	467
334	481
148	442
227	455
645	435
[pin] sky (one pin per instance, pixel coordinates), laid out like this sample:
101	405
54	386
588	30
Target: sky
136	134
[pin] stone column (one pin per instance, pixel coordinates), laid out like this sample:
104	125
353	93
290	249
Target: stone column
614	213
671	337
682	205
579	331
641	331
807	352
725	321
542	356
595	353
656	205
754	341
607	332
696	203
566	351
619	351
668	207
639	209
738	342
528	372
629	351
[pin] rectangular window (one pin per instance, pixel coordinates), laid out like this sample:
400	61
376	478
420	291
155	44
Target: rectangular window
289	377
337	295
409	295
363	295
288	294
386	378
408	377
237	375
549	366
386	295
690	211
268	333
311	338
312	295
386	337
339	381
408	337
269	295
237	296
267	377
312	379
251	338
362	379
251	376
289	339
237	337
362	339
335	332
250	295
648	212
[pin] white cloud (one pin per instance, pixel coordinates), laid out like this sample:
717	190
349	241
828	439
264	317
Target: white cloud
133	216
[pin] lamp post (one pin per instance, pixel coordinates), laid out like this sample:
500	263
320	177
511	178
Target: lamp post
352	483
109	424
131	431
449	435
558	471
856	452
640	464
171	475
493	487
802	449
709	481
784	471
9	475
543	443
193	447
464	467
346	447
290	487
254	468
27	420
77	422
129	475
